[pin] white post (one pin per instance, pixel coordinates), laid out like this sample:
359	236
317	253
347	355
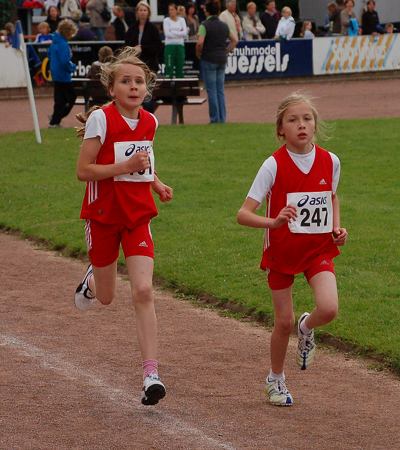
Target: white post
22	49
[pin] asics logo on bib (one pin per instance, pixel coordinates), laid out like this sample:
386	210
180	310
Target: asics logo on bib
310	200
134	148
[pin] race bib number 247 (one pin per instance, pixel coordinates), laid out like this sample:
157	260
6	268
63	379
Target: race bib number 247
314	212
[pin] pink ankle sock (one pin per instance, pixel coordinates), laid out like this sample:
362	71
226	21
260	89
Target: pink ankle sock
150	366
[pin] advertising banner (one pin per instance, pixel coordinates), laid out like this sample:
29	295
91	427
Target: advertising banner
345	54
266	59
85	53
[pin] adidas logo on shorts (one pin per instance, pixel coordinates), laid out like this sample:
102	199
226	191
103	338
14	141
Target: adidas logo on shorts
143	244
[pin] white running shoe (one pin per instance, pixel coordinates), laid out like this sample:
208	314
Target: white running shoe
153	390
84	297
277	392
306	346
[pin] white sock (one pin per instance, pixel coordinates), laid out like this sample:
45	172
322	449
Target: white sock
303	327
276	376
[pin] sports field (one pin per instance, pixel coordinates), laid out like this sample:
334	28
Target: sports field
215	399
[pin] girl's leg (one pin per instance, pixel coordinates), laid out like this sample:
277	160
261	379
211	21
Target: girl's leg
283	326
102	284
324	287
140	269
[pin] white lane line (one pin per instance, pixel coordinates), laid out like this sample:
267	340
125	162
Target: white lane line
169	424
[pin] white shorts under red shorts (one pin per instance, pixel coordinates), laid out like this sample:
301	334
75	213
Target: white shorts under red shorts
278	280
103	242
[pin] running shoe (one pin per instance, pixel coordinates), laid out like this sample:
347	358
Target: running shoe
306	346
277	392
153	390
84	297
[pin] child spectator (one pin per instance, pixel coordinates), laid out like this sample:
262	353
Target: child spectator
44	36
286	25
253	29
105	55
62	67
389	28
306	32
299	183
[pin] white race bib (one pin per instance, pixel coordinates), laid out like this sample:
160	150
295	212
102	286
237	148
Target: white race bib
314	212
125	150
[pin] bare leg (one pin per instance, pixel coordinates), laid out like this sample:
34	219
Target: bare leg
283	326
102	284
324	287
140	269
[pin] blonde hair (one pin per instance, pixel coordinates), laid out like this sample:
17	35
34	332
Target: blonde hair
145	4
44	24
67	28
127	55
303	28
294	99
286	9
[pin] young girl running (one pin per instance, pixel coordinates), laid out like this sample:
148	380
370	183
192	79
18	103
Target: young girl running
299	182
117	162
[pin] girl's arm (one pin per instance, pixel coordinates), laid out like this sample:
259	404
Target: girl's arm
339	234
88	170
164	192
247	215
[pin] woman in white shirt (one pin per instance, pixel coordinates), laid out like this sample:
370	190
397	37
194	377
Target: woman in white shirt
175	32
286	25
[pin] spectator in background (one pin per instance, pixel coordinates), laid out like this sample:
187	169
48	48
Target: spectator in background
232	19
7	12
70	9
85	33
286	25
333	23
306	32
181	11
175	32
7	32
389	28
349	20
144	35
253	29
212	51
62	67
48	3
97	23
123	20
270	19
192	21
53	18
44	36
100	96
370	20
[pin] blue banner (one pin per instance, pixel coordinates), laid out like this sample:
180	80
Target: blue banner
267	59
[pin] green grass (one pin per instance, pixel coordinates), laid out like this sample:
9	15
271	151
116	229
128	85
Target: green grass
199	247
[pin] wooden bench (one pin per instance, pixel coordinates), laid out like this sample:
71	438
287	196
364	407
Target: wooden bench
176	92
89	92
